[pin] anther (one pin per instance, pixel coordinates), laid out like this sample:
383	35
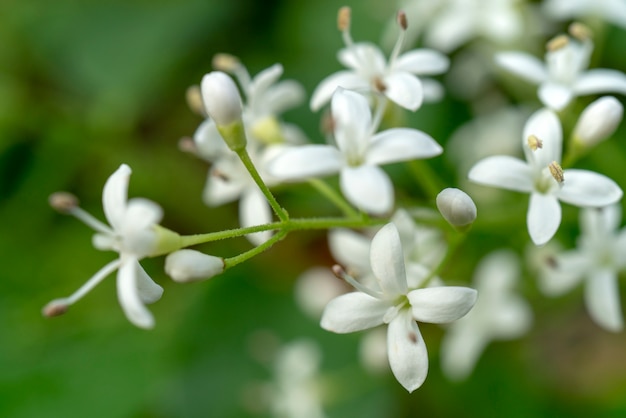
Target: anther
552	262
556	171
343	18
220	175
534	143
413	337
401	19
225	62
187	144
63	202
193	96
580	31
54	308
557	43
339	272
379	85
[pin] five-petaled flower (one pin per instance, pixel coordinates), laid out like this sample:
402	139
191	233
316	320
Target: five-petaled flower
397	301
542	177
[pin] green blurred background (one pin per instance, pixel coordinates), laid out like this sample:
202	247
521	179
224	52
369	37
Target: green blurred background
88	85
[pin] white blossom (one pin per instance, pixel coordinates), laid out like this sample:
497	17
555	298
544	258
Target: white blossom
221	98
357	155
596	262
499	314
398	304
613	11
598	121
542	177
456	207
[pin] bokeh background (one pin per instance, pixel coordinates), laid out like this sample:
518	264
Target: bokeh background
88	85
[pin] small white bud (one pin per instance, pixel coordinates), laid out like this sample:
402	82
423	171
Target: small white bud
221	98
456	207
598	121
189	265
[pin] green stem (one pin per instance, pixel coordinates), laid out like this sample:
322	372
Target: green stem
426	177
334	197
189	240
233	261
247	162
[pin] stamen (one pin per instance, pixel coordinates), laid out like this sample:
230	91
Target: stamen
557	43
93	282
580	31
56	307
220	174
534	143
193	96
63	202
379	85
90	221
341	273
552	262
187	144
327	124
225	62
556	171
401	19
343	24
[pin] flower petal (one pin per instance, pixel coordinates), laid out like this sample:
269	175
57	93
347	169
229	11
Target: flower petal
352	120
460	350
555	96
363	56
566	271
404	89
209	142
401	144
305	161
149	291
129	297
115	194
602	300
387	260
545	125
600	80
407	353
440	305
524	65
254	210
354	311
283	96
324	91
368	188
543	217
350	249
422	62
586	188
263	80
504	172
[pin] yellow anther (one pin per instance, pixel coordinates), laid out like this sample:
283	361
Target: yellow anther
226	62
556	171
557	43
194	100
580	31
534	143
343	18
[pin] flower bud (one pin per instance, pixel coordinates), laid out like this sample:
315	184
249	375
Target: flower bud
456	207
598	121
190	265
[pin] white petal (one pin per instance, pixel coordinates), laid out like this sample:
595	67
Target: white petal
543	217
352	120
555	96
407	353
460	350
128	295
387	260
219	190
503	171
449	30
440	305
586	188
149	291
306	161
254	210
511	320
283	96
602	300
523	65
354	311
324	91
209	142
568	271
401	144
600	80
263	80
545	125
404	89
433	90
368	188
114	195
141	213
363	56
350	249
422	62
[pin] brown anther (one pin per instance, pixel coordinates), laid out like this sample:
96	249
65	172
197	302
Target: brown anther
220	174
225	62
63	202
54	308
557	43
194	100
327	124
401	19
552	262
556	171
580	31
343	18
187	144
413	337
339	271
534	143
379	85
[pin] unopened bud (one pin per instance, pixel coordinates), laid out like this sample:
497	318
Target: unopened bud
534	143
456	207
556	171
598	121
226	62
343	18
63	202
223	104
557	43
189	265
401	18
55	308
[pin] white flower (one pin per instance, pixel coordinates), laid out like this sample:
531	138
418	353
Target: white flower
134	235
396	304
597	261
499	314
357	155
564	74
613	11
542	177
397	79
